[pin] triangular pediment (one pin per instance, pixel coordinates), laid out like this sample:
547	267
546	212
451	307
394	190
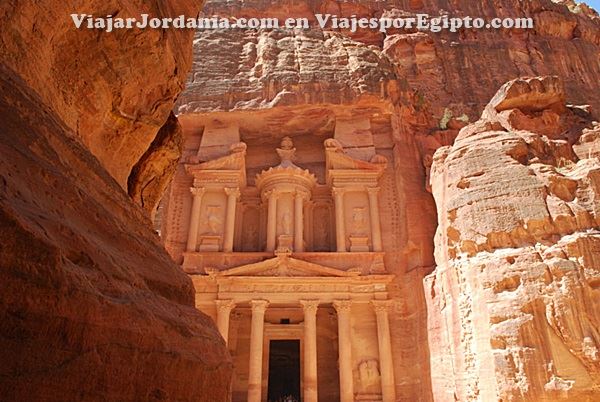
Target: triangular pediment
285	266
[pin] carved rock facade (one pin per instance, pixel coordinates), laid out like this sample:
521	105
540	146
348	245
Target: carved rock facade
402	95
249	244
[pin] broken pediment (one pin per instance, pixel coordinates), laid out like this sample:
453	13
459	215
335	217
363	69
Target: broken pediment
232	165
342	167
337	158
285	266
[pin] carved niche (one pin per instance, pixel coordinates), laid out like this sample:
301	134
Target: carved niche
250	237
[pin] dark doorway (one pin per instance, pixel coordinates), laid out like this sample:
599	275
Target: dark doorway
284	371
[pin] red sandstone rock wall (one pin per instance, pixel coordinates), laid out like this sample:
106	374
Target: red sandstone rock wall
91	306
114	91
421	89
513	305
459	71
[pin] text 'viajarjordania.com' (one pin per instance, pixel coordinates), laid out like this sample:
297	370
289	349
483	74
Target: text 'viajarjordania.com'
421	22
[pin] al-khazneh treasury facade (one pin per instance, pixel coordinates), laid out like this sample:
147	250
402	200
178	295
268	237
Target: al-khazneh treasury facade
283	241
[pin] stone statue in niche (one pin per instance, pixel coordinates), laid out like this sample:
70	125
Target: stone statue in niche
250	230
369	377
287	152
286	223
359	221
213	219
321	229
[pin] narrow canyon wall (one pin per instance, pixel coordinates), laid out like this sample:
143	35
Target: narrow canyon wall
114	91
513	305
91	306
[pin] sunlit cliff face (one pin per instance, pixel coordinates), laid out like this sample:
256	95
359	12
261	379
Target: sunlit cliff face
406	94
503	307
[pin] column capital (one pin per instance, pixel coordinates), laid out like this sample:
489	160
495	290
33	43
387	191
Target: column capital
338	191
197	191
235	191
305	195
342	305
373	190
271	194
259	306
310	306
224	305
382	306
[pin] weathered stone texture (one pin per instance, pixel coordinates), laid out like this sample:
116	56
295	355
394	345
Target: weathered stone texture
91	306
513	302
113	90
440	67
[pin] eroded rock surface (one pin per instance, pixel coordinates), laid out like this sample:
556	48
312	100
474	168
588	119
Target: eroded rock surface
114	91
91	306
513	303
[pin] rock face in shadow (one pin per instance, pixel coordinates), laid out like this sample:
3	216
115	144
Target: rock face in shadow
92	306
513	305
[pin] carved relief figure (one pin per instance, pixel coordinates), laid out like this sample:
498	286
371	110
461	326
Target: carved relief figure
368	374
359	220
287	152
213	219
286	223
250	230
321	229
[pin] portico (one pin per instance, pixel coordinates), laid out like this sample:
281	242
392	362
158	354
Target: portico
301	288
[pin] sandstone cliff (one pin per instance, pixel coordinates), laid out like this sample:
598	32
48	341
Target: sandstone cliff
91	306
513	305
412	92
114	91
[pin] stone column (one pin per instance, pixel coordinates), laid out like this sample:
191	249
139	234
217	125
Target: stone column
343	308
299	222
340	229
224	308
271	220
232	196
310	350
256	350
386	363
197	194
375	219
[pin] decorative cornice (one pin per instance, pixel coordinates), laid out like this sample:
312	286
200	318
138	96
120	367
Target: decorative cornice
286	175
